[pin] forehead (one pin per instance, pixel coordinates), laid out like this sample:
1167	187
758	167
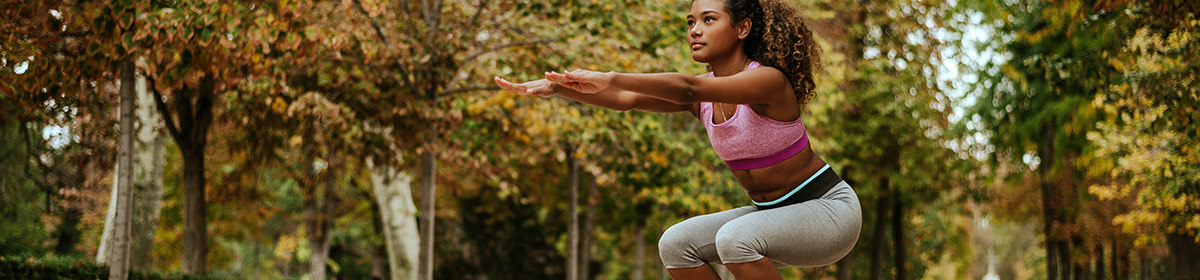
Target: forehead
701	6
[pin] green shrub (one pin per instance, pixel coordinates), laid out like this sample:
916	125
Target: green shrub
15	267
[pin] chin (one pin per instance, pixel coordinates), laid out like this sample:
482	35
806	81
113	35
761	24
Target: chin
699	58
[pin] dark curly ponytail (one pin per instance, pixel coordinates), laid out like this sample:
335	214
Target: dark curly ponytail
780	38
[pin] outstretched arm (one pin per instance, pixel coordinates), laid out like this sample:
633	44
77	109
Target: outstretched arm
612	98
763	85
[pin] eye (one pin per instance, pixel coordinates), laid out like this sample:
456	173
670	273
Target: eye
709	19
690	23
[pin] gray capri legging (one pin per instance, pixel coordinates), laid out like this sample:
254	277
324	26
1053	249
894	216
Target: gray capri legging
812	233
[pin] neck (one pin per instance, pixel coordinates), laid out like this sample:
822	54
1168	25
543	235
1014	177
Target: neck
730	65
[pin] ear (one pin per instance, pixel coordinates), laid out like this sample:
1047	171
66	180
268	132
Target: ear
743	28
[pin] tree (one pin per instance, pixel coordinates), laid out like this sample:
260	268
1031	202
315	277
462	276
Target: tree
882	116
1145	142
1036	106
189	65
119	264
149	147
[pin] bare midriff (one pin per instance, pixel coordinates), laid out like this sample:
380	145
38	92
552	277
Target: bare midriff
772	182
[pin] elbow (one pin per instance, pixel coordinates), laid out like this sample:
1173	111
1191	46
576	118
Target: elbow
687	93
688	96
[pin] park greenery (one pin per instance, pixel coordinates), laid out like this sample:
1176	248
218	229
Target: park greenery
364	139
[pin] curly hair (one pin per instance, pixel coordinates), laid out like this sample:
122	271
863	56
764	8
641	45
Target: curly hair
780	38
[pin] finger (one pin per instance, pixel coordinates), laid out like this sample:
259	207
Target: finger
502	83
509	86
557	77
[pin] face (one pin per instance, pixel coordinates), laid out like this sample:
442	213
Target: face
711	32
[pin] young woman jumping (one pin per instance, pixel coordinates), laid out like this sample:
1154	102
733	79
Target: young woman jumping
762	56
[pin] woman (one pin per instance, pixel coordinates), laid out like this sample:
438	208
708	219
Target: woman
762	57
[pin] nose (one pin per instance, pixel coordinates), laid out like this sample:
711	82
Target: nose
694	31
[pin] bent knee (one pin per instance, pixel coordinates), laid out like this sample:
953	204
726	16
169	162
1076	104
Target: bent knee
683	246
739	246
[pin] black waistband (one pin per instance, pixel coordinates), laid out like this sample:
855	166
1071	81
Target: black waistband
816	188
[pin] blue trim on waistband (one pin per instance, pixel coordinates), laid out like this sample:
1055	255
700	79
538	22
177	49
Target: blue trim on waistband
789	194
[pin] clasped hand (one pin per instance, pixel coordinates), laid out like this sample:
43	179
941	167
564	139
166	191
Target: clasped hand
583	81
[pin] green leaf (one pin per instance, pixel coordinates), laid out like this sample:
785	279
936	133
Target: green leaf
206	35
126	19
127	41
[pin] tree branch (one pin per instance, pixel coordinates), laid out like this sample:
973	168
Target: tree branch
166	112
466	90
510	44
65	34
475	18
407	79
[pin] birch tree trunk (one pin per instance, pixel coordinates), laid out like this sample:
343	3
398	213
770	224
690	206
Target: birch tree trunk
393	193
106	237
149	148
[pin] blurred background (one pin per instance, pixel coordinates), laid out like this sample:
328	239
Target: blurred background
363	139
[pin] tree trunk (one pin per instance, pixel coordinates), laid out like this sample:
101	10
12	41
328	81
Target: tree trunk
1099	260
589	221
319	207
639	253
1064	254
1184	256
845	266
1116	274
149	149
192	136
1046	155
103	251
878	242
428	193
898	233
1145	267
195	216
572	214
149	159
1123	263
119	260
393	193
379	261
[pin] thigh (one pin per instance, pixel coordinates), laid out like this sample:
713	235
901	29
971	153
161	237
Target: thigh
813	233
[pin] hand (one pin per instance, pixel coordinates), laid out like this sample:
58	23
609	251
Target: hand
541	88
584	81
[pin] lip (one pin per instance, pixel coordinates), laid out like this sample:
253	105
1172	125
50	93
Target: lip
697	45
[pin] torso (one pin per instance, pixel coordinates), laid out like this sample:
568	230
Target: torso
771	182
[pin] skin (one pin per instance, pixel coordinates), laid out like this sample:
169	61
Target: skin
718	41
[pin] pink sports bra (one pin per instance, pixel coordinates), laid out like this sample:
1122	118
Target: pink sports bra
748	140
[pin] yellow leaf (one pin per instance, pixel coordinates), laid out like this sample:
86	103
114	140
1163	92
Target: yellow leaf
657	158
296	140
279	106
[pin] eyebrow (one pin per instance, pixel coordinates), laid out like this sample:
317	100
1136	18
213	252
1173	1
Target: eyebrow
705	13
